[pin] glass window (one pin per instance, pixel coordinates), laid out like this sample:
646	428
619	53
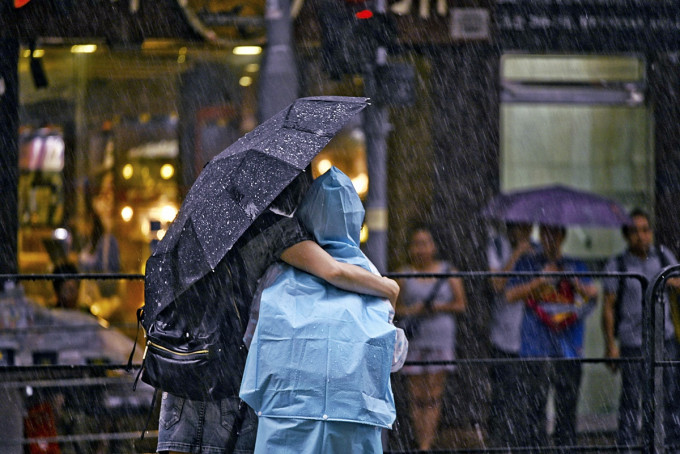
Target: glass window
597	140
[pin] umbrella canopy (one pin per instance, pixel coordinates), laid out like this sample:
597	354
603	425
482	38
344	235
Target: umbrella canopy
235	187
556	205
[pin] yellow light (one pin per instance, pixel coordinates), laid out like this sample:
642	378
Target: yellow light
245	81
128	171
167	171
168	213
252	68
360	183
126	213
323	166
247	50
182	50
84	48
363	235
38	53
27	53
160	234
181	59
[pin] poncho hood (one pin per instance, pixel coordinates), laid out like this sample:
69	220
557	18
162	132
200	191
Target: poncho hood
331	194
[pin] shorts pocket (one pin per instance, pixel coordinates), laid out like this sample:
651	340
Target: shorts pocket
231	413
171	410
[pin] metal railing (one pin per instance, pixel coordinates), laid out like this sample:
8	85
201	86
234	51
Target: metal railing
652	438
652	433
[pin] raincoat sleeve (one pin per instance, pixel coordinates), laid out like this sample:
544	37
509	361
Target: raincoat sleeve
400	350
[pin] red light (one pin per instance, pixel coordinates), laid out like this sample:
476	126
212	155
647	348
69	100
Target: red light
364	14
20	3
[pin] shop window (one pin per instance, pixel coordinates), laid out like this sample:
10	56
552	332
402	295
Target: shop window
580	121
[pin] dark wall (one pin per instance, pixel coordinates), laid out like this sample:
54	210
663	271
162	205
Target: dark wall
465	133
664	95
9	154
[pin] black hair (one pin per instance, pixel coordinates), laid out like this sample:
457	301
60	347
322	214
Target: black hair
289	199
562	229
634	213
97	230
417	226
63	268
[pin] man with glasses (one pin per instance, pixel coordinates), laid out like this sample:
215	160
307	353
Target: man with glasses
622	319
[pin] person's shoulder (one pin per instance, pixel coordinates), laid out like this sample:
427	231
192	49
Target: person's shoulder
530	259
446	266
670	257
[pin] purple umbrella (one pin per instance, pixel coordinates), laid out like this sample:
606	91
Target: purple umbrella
556	205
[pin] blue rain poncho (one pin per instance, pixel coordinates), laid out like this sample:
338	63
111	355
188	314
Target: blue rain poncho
318	352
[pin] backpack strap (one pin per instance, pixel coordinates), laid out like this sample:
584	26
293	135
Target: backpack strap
435	289
134	346
663	258
621	268
148	416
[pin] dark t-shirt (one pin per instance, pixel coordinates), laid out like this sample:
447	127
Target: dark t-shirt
260	246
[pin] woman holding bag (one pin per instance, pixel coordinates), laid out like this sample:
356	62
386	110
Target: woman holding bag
429	304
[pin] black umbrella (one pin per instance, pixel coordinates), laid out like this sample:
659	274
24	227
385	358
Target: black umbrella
237	186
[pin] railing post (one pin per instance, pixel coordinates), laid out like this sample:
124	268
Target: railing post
653	331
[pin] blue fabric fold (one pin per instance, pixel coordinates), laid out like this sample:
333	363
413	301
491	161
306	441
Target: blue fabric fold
319	352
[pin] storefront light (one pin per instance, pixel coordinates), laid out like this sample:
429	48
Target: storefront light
126	213
323	166
363	234
245	81
84	48
167	171
252	67
247	50
60	234
38	53
360	183
160	234
128	171
168	213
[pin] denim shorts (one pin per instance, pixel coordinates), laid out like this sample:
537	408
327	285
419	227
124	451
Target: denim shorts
204	427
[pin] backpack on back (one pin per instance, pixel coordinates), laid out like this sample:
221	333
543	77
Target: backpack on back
194	346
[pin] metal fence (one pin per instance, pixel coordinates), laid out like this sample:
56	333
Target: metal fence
18	380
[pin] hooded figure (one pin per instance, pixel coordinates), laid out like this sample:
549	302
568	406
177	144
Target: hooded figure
318	369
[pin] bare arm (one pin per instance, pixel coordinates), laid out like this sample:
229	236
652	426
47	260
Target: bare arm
521	292
608	310
310	257
498	283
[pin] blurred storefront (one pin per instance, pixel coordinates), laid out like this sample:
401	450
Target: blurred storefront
507	94
118	125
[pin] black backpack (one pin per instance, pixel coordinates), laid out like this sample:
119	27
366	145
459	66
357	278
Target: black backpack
194	347
621	268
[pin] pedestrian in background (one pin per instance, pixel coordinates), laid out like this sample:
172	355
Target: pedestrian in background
503	252
622	319
553	327
431	305
99	253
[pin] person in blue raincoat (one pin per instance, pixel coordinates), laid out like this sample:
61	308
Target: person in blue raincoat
318	369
